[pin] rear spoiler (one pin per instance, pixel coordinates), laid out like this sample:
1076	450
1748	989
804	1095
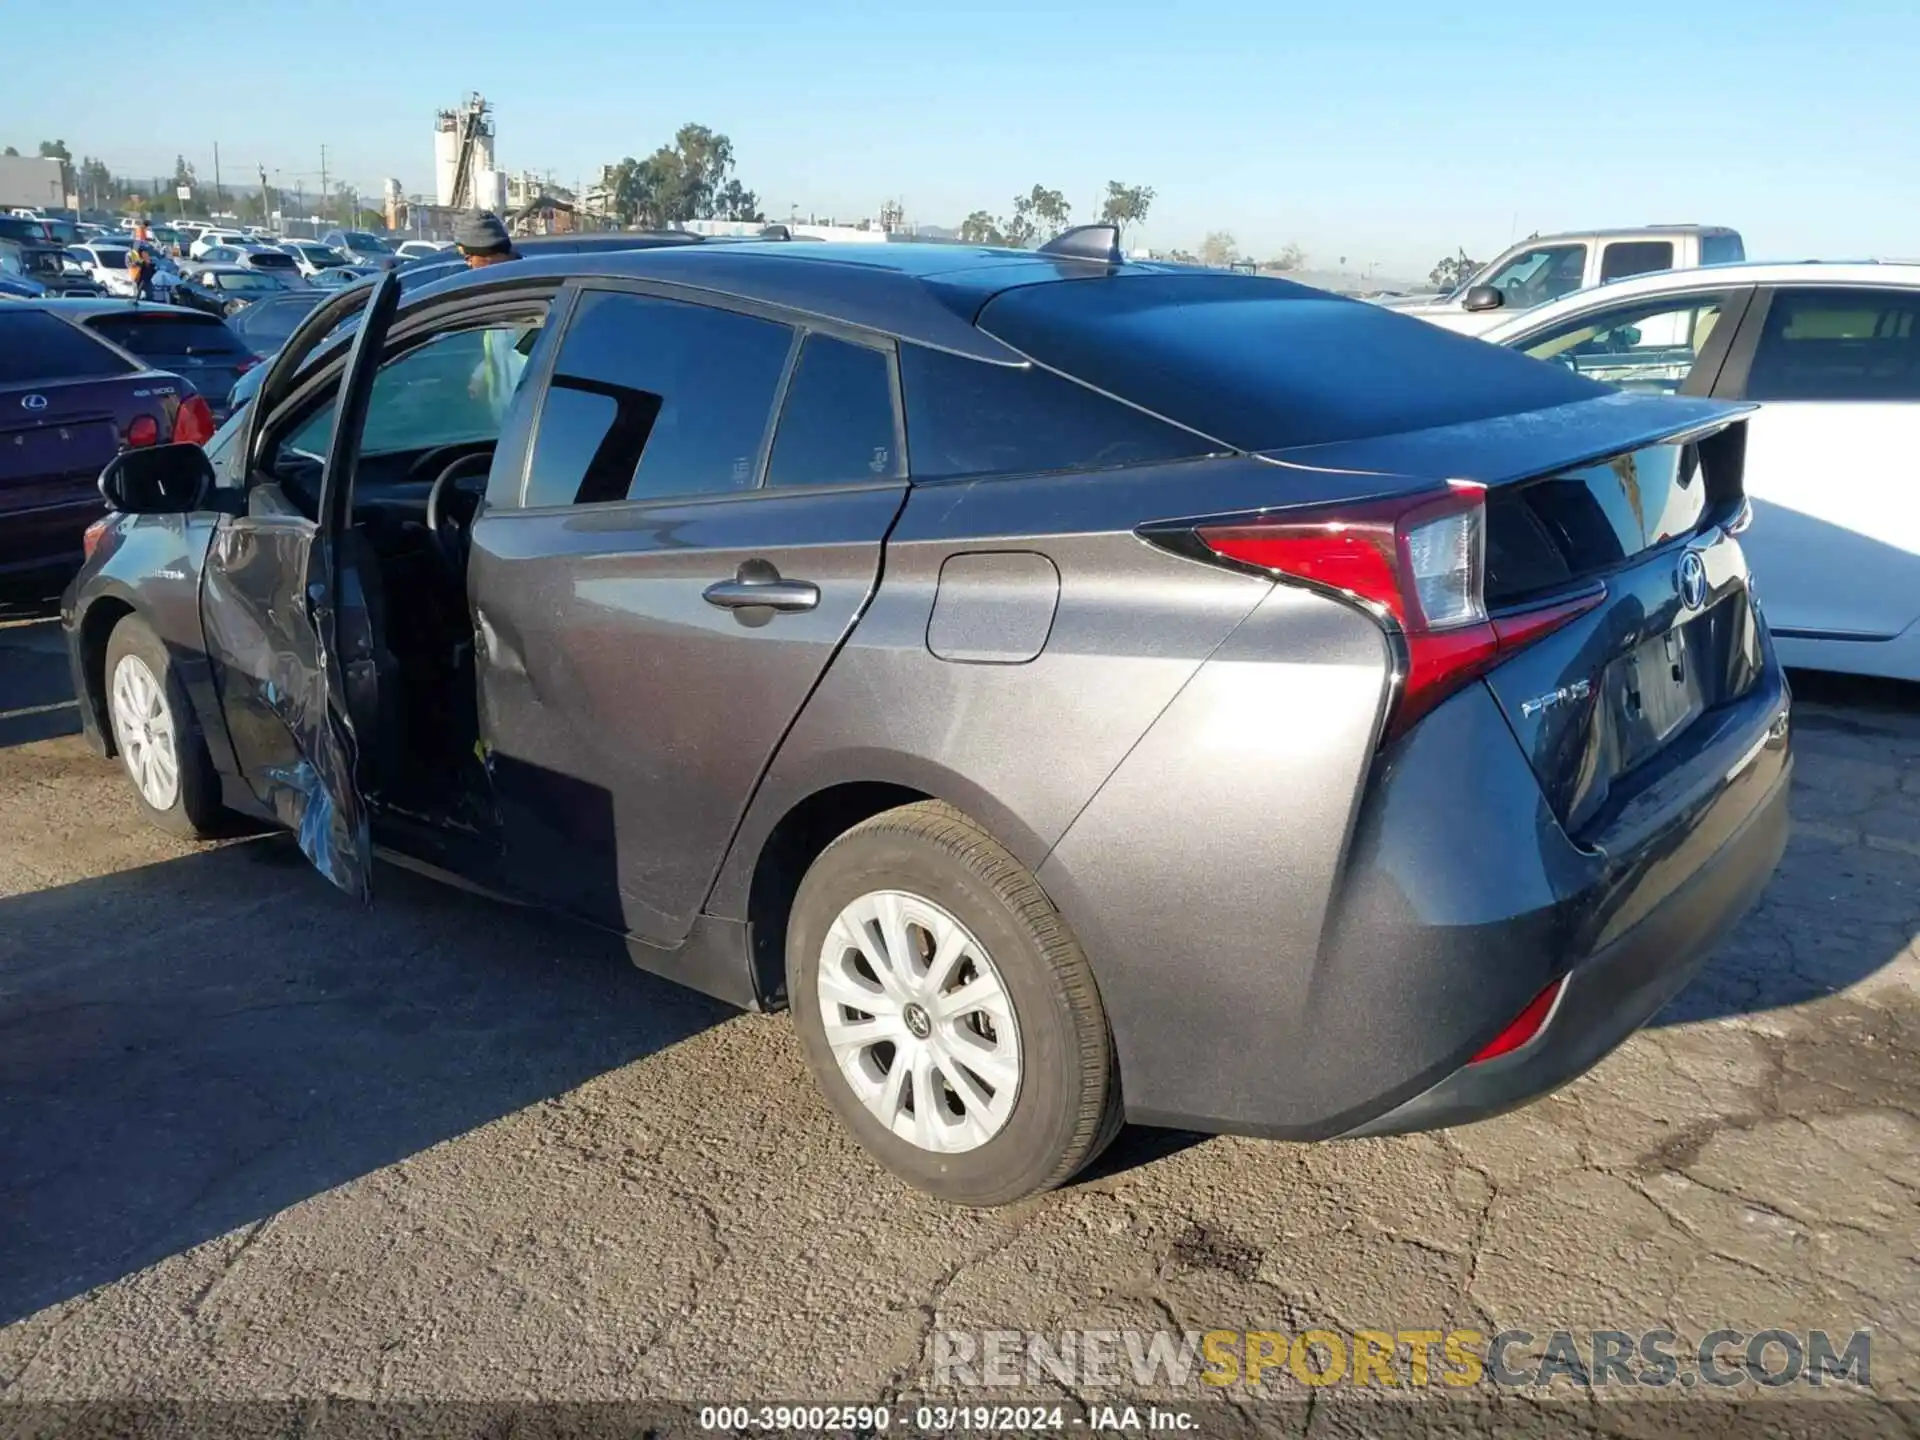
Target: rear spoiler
1504	449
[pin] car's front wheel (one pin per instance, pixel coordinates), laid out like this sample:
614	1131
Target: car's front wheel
157	734
946	1010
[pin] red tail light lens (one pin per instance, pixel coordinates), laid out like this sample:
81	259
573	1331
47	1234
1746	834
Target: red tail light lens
90	537
1527	1024
193	424
145	430
1419	562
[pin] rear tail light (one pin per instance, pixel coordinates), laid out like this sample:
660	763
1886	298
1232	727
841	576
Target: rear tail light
144	430
1527	1024
193	423
1418	563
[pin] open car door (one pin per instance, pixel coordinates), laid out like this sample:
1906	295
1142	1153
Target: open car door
281	602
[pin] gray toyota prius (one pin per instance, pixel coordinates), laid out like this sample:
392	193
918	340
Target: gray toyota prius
1079	690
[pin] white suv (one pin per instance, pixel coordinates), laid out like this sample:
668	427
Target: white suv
1546	267
310	257
210	238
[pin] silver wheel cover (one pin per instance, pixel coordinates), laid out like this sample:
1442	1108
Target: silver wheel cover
919	1021
144	732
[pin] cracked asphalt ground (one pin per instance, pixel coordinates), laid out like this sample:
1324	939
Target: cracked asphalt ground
256	1142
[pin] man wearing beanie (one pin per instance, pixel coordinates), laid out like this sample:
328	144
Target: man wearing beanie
482	240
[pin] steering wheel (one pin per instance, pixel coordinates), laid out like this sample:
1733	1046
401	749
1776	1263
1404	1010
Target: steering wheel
450	522
433	461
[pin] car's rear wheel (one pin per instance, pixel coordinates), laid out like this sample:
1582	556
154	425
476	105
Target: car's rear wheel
946	1010
157	734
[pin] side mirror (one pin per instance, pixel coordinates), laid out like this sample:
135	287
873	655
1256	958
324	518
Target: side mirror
158	480
1484	297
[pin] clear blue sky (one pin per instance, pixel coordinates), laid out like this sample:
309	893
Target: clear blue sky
1382	130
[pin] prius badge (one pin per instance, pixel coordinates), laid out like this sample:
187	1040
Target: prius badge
1553	699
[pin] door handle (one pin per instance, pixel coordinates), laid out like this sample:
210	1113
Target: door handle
759	584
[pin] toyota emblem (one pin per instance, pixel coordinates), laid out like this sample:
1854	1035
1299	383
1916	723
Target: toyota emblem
1692	580
34	402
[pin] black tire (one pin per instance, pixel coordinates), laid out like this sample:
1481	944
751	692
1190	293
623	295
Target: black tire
1067	1108
196	811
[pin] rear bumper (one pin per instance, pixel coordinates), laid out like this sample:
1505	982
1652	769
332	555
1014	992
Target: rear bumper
48	538
1298	938
1617	990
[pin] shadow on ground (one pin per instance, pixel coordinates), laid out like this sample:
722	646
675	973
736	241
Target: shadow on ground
197	1044
1835	913
36	692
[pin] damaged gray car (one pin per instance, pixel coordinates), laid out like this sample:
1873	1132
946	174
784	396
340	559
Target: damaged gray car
1079	690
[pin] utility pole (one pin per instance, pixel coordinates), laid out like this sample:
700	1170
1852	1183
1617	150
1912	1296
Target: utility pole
266	210
323	182
219	196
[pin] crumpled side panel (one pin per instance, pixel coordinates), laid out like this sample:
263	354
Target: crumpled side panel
266	603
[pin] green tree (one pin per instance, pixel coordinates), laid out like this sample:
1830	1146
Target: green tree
980	228
1042	212
691	179
1453	271
1291	257
11	151
1219	249
1019	227
1126	205
57	150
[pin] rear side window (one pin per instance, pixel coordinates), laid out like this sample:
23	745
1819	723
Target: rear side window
36	348
1721	249
156	336
965	417
1635	257
1267	364
652	398
1838	345
837	421
265	325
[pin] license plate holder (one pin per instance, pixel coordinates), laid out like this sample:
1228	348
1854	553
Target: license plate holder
1656	690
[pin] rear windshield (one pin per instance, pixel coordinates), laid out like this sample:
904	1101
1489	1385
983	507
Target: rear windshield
1721	249
36	348
272	260
1267	364
156	336
360	240
112	259
265	326
1548	533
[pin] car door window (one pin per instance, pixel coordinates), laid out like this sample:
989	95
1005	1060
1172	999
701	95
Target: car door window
1543	273
1635	257
1834	344
454	389
1649	345
837	422
652	398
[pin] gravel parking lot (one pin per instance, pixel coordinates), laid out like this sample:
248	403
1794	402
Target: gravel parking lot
255	1141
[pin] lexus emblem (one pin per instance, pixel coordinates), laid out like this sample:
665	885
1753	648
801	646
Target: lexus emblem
1692	580
34	402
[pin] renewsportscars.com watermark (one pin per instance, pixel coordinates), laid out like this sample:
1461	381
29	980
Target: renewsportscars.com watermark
1399	1359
